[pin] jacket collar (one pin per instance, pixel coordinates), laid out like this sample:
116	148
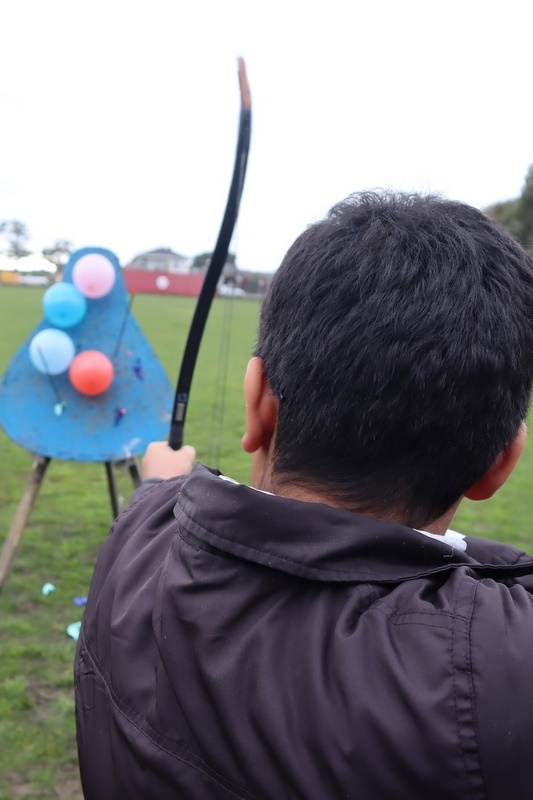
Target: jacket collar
313	540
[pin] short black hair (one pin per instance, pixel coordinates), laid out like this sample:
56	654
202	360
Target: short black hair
398	336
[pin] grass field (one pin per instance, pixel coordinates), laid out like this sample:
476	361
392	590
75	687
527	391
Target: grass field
72	517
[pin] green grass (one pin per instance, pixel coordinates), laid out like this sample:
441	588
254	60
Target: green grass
72	516
70	520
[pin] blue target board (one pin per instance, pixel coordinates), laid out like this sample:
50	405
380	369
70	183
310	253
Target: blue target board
86	385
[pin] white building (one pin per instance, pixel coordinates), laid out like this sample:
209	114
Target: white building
161	260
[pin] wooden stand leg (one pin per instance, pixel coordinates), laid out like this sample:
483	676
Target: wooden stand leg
112	483
39	467
135	473
22	513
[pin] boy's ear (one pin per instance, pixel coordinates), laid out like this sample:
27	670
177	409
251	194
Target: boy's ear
496	476
261	408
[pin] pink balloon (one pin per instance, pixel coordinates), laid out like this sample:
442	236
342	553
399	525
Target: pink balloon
93	275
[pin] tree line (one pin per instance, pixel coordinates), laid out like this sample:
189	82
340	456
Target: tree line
16	235
517	215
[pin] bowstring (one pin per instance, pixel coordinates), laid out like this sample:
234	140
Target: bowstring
216	436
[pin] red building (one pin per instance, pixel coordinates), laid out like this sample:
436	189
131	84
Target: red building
158	282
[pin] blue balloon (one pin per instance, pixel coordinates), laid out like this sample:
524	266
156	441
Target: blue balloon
64	305
51	351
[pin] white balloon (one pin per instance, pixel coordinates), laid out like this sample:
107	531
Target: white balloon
51	351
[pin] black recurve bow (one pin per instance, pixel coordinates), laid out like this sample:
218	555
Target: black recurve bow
218	259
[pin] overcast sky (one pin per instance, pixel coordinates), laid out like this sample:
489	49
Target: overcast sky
119	118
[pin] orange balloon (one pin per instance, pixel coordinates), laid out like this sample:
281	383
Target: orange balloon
91	372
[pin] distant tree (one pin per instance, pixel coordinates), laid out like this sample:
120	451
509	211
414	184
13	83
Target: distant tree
58	253
506	213
517	214
201	262
17	235
525	210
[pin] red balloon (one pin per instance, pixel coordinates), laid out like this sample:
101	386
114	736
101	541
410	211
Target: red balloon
91	372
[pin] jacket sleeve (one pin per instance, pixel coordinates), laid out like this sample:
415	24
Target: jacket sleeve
148	513
123	587
501	653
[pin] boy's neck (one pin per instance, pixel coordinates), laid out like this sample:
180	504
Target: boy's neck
267	482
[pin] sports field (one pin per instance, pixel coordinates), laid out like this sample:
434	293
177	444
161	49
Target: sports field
72	516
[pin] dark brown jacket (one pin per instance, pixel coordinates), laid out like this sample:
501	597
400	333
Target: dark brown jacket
241	645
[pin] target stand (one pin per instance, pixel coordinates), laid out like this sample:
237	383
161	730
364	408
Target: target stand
27	501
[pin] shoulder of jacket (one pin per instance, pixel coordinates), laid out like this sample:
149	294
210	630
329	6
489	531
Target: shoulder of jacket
151	495
493	552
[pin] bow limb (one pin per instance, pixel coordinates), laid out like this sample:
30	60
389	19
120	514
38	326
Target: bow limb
218	259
